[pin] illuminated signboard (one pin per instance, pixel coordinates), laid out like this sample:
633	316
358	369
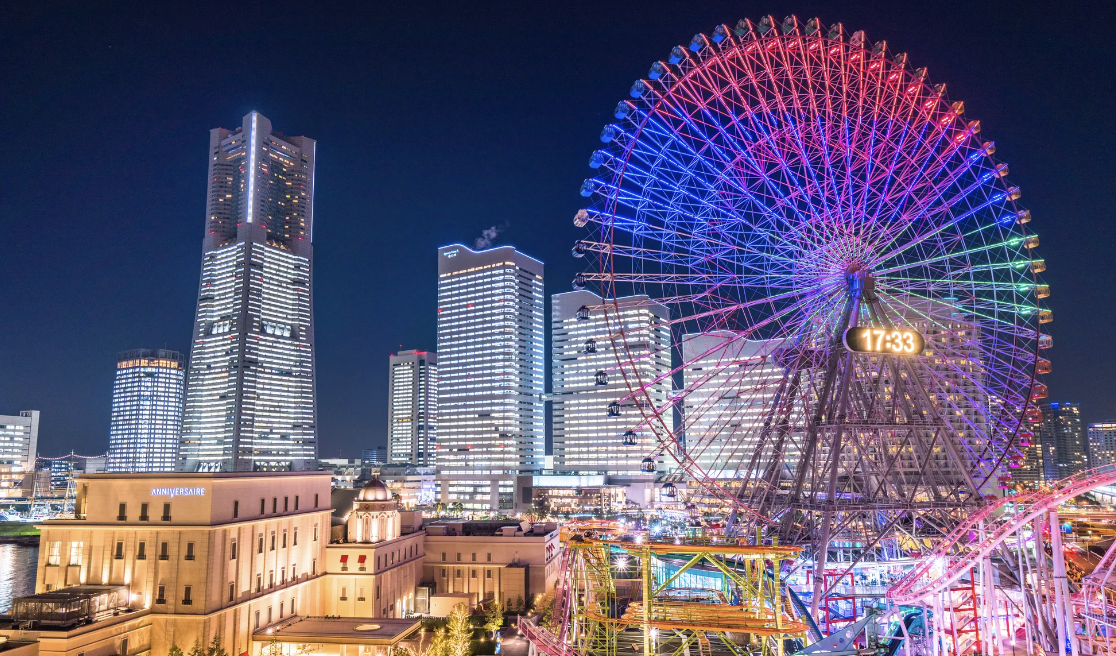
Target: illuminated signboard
178	492
893	341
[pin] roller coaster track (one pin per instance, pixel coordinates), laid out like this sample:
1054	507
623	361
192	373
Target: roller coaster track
996	525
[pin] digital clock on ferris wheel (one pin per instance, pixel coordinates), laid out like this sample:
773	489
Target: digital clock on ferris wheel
891	341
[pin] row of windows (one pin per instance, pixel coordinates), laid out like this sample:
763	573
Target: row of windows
410	552
472	573
274	505
488	556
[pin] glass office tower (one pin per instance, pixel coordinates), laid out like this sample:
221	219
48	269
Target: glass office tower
146	421
412	404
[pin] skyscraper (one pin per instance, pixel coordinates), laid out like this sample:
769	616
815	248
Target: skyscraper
1063	442
412	404
146	421
250	398
1102	443
490	374
19	444
586	380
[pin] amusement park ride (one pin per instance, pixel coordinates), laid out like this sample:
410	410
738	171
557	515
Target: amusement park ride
838	240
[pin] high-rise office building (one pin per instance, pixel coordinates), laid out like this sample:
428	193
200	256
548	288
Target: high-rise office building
490	375
1064	451
250	398
146	424
586	380
412	404
1102	443
1031	469
19	444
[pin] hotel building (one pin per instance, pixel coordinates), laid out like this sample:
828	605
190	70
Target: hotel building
412	404
586	379
146	424
490	376
190	557
19	443
250	397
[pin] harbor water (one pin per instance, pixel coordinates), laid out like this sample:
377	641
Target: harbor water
17	573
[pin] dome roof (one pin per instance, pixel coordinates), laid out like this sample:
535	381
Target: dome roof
374	490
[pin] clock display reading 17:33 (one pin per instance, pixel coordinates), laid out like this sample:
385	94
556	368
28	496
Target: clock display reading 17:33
894	341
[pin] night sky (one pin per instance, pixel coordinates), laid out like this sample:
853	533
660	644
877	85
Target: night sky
435	121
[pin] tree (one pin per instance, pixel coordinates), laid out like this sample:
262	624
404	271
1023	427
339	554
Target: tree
273	648
459	632
197	649
494	617
175	650
457	508
519	602
545	606
215	648
436	646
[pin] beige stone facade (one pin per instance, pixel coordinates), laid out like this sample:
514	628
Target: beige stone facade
155	560
203	555
373	570
492	560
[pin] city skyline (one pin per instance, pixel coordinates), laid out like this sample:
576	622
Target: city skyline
453	195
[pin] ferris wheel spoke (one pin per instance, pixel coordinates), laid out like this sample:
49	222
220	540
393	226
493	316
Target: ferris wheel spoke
744	150
668	235
943	210
668	134
768	131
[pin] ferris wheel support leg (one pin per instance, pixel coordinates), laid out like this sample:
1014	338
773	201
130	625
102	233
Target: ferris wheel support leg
834	463
835	455
1020	556
936	635
986	593
1060	607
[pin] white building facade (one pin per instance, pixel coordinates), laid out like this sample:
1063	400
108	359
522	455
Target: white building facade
736	381
146	424
491	421
250	396
412	406
1102	443
19	444
586	379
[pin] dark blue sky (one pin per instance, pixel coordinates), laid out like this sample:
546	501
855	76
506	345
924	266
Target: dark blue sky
435	121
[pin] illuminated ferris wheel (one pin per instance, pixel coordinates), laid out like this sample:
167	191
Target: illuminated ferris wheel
854	298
